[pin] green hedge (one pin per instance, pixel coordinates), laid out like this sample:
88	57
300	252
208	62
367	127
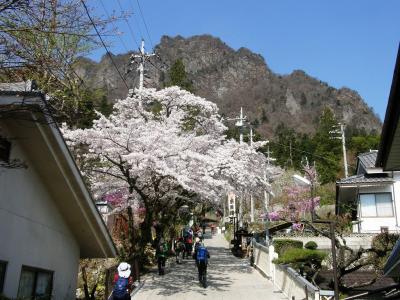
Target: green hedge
311	245
282	245
295	255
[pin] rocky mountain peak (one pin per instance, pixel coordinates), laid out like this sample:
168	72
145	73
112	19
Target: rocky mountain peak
240	78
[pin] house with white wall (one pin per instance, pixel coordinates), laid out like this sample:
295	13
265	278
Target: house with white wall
48	220
372	196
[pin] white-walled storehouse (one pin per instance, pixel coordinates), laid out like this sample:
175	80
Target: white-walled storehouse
372	196
48	220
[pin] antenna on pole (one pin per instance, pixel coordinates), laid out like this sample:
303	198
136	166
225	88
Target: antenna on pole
141	59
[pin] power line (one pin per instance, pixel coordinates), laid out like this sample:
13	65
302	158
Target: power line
306	152
129	26
144	22
109	17
104	45
163	62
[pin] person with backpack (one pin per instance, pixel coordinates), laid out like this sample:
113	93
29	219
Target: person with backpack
189	243
202	256
197	244
179	250
123	282
161	253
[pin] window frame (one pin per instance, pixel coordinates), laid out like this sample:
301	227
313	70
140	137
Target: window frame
36	272
376	207
3	275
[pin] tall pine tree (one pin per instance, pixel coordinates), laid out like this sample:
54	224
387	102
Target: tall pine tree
178	76
327	148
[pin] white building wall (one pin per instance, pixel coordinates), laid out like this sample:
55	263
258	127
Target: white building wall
33	232
396	197
374	224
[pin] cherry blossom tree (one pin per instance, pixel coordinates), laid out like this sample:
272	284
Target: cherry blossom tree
297	202
160	150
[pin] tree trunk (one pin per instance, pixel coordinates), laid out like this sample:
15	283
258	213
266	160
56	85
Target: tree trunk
131	233
85	284
145	228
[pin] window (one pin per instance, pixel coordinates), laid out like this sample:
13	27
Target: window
3	266
35	284
5	148
384	229
376	205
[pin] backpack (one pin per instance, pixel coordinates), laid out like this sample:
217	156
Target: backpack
162	249
120	287
201	254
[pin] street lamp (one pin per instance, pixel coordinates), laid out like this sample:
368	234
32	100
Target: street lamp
310	182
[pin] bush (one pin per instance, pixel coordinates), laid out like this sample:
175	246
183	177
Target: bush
305	261
385	242
311	245
296	255
281	246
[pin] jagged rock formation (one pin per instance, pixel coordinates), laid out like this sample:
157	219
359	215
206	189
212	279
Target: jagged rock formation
239	78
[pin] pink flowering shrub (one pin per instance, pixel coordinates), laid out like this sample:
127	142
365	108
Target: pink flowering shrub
297	226
274	216
115	198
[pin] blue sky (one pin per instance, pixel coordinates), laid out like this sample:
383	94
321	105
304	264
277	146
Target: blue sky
344	43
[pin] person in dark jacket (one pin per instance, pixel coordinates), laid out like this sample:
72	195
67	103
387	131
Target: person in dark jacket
161	253
202	256
179	249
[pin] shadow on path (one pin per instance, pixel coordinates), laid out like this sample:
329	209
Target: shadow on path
226	275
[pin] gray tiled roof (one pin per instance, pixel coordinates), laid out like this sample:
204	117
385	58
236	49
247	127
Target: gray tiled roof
368	159
364	179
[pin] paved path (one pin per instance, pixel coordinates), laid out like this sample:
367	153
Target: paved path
228	278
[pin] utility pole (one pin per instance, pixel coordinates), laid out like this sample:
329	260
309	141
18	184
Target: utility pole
251	195
240	123
266	194
141	59
346	172
251	136
341	136
241	210
269	160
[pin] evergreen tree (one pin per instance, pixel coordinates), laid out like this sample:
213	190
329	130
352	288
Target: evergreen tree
283	145
327	149
178	76
360	144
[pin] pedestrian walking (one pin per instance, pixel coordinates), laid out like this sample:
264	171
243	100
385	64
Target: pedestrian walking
204	227
179	250
202	256
189	244
161	253
123	282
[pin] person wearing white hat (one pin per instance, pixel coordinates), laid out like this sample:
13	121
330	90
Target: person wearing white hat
122	282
